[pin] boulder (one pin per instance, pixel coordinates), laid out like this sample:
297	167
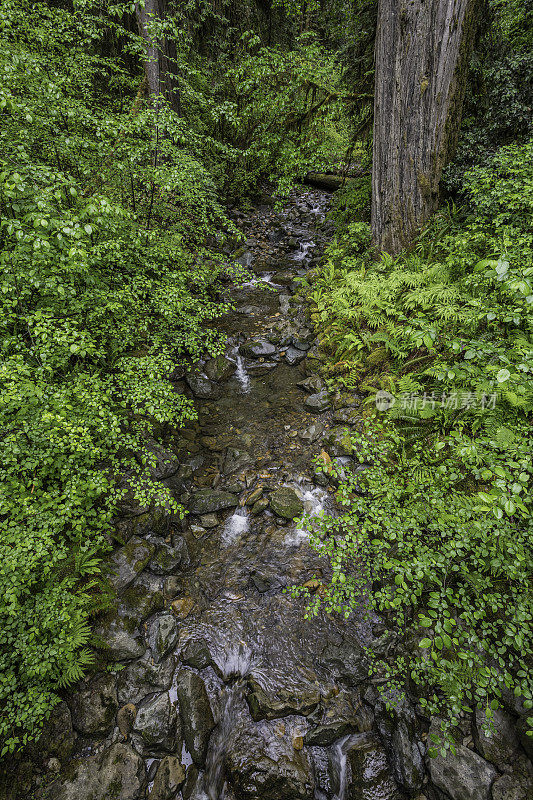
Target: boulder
93	707
257	348
58	737
339	442
144	677
294	356
262	763
128	561
168	557
318	402
313	432
346	416
370	774
219	369
202	387
169	779
160	463
285	503
161	635
196	715
206	501
266	703
142	598
497	742
313	384
156	725
119	643
118	774
397	728
463	776
512	787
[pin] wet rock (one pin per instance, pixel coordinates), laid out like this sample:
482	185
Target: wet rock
283	278
347	416
208	500
499	744
318	402
126	719
339	442
463	776
257	348
169	779
397	728
190	782
313	384
262	764
348	662
141	599
267	580
235	459
161	635
182	606
58	737
219	369
294	356
168	557
202	387
344	714
260	506
268	703
155	728
128	561
160	463
118	774
313	432
196	654
119	643
93	708
285	503
144	677
302	343
284	304
370	775
209	521
196	715
512	787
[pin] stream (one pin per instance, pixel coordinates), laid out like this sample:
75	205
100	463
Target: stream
224	690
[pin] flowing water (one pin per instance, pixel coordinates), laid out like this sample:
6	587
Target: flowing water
294	712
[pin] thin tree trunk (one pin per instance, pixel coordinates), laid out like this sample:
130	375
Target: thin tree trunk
147	15
421	54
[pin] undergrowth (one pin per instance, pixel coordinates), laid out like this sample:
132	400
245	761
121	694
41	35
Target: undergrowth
441	340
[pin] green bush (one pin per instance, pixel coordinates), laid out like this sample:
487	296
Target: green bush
442	520
99	303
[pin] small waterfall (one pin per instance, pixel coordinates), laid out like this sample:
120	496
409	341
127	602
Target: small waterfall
214	779
235	526
241	375
303	251
314	501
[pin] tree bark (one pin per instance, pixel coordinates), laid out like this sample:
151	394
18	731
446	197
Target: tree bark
421	56
147	15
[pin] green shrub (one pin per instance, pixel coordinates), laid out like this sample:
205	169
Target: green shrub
442	521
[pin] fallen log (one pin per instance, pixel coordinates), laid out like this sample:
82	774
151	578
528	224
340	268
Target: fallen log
328	182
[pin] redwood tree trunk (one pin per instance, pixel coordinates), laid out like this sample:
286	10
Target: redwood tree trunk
421	55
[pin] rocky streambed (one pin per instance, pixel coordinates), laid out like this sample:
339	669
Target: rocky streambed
218	688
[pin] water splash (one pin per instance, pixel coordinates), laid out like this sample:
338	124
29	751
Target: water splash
303	251
235	526
314	501
241	375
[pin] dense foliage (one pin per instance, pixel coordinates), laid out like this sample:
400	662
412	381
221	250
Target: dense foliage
97	310
441	520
